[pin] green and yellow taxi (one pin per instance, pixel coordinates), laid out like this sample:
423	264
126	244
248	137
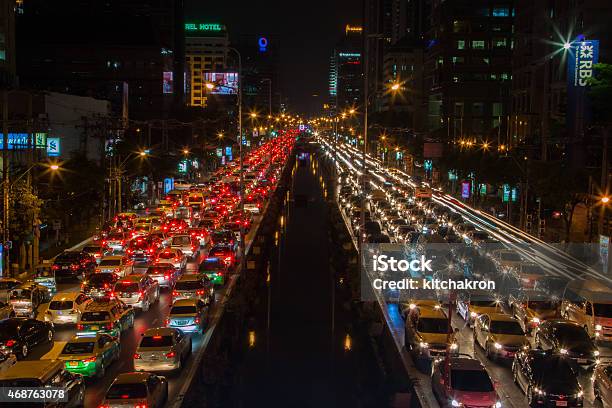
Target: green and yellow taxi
90	356
215	269
106	315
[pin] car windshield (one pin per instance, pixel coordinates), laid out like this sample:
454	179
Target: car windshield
92	249
79	348
603	310
110	262
504	327
156	341
540	305
471	381
189	285
126	287
553	370
60	305
8	285
181	240
95	316
432	325
101	278
571	333
8	329
67	257
183	310
127	391
21	294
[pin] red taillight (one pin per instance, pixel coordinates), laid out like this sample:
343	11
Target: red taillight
167	321
140	295
108	326
136	356
171	354
89	360
80	326
143	405
175	293
55	267
166	277
199	292
197	320
10	343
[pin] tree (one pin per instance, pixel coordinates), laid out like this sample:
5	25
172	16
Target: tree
24	207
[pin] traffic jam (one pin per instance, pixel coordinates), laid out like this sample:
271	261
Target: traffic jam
540	340
115	321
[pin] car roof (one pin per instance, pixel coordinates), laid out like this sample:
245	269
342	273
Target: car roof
112	257
98	305
30	369
131	378
186	302
65	296
466	363
160	331
132	279
191	277
561	322
431	311
86	339
501	317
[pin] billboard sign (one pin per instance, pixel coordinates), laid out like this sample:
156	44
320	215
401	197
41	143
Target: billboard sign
581	59
21	141
53	147
228	150
167	84
465	189
226	83
168	185
207	27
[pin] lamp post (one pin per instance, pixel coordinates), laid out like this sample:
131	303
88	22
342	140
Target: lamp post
117	173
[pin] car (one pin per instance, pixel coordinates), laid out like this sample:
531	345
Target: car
162	349
602	384
6	287
99	285
252	204
66	308
224	252
186	244
194	286
94	250
426	332
137	390
531	307
472	305
589	303
216	269
199	234
467	384
7	360
106	315
19	336
143	248
27	297
187	315
73	264
117	264
172	256
175	226
223	237
569	339
500	335
44	374
90	356
139	291
6	310
547	379
165	274
116	241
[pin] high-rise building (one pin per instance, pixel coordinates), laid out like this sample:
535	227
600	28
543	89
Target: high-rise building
378	36
206	47
120	51
7	43
467	68
346	70
543	116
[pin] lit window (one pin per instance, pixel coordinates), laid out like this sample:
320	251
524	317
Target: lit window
478	44
458	60
3	55
499	43
501	12
460	44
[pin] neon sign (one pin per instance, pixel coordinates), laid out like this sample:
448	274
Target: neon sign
263	44
203	27
353	29
349	55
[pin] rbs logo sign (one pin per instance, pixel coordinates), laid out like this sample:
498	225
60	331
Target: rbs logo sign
585	57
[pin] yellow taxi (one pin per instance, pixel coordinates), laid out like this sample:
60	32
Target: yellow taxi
426	333
500	335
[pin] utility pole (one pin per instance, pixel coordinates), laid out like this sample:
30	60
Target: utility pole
5	184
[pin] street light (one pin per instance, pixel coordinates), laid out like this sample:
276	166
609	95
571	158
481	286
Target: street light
605	199
395	87
210	86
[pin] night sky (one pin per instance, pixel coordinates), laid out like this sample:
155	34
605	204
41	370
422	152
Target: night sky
308	30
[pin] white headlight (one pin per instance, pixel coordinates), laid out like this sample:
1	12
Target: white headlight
535	319
498	346
596	353
454	346
473	314
423	345
598	327
497	404
580	394
563	351
455	403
